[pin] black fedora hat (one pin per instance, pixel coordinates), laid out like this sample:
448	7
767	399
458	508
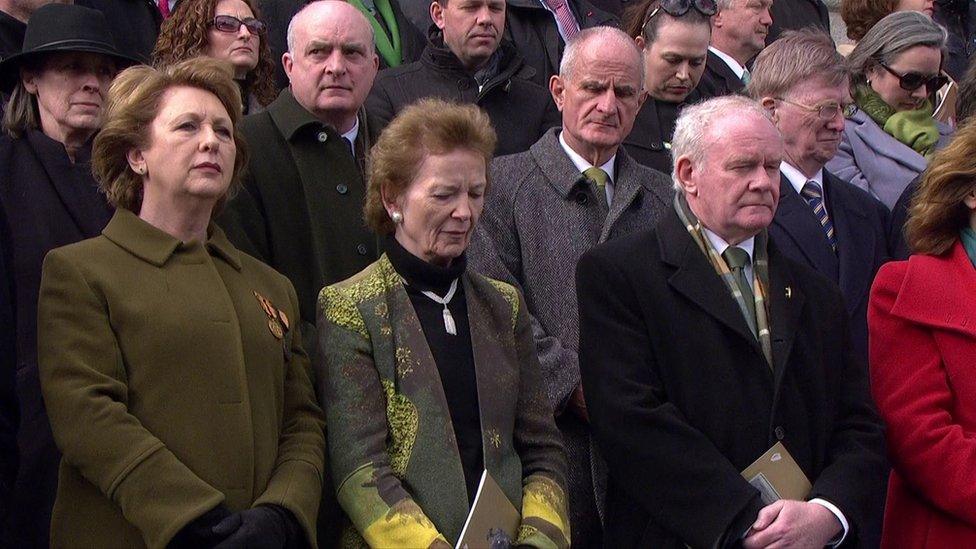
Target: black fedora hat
62	28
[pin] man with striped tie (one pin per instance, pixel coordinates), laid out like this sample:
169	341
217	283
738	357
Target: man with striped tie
830	225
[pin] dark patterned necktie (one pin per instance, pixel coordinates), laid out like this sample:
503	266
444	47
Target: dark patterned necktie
814	196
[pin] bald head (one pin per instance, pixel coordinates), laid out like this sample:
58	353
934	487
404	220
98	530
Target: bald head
331	61
327	9
601	40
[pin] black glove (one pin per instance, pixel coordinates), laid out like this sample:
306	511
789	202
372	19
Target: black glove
263	527
199	531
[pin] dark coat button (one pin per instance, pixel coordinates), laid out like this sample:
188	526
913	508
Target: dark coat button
581	198
780	432
342	188
656	146
362	249
323	137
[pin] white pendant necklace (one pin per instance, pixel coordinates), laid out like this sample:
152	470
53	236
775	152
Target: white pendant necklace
448	319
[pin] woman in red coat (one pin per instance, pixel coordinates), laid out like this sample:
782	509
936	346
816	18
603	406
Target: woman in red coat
922	321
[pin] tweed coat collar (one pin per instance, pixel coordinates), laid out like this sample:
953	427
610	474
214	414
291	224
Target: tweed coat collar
566	179
155	246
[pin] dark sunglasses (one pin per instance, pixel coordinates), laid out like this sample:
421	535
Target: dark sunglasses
229	23
911	81
677	8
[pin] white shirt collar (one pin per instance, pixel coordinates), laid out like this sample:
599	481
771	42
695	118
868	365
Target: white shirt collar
352	134
582	164
732	63
797	179
720	244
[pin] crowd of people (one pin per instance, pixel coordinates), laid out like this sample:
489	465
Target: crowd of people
290	273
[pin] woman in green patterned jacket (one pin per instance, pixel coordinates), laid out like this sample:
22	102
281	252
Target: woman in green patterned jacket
430	373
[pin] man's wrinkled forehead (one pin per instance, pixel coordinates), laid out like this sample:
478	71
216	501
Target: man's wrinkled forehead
736	133
331	23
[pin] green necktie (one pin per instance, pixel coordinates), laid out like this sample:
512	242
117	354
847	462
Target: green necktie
599	179
746	77
737	259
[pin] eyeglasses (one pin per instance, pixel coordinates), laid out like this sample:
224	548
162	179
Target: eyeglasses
677	8
911	81
825	111
229	23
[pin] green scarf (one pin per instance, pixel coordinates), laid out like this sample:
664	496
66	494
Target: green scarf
916	129
388	46
968	236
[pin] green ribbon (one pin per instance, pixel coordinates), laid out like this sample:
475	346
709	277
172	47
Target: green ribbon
388	46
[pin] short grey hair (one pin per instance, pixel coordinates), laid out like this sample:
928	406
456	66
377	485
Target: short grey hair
796	57
890	37
570	60
691	130
290	36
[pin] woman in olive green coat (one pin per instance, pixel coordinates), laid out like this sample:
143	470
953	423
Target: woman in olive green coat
176	384
430	371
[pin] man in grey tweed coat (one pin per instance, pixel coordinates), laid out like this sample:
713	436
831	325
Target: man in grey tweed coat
542	213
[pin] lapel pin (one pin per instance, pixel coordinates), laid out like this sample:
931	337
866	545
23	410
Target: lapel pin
789	292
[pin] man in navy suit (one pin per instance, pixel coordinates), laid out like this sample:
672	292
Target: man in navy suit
830	225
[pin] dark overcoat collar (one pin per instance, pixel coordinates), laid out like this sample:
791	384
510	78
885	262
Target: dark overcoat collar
696	279
86	207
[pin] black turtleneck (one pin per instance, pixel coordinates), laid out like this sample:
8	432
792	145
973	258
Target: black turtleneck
452	353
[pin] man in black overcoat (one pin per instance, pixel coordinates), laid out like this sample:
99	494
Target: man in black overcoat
702	346
300	208
466	61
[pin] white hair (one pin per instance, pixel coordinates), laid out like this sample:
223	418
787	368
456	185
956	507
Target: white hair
691	130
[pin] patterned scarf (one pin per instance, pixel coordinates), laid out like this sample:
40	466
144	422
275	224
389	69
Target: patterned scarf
760	279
